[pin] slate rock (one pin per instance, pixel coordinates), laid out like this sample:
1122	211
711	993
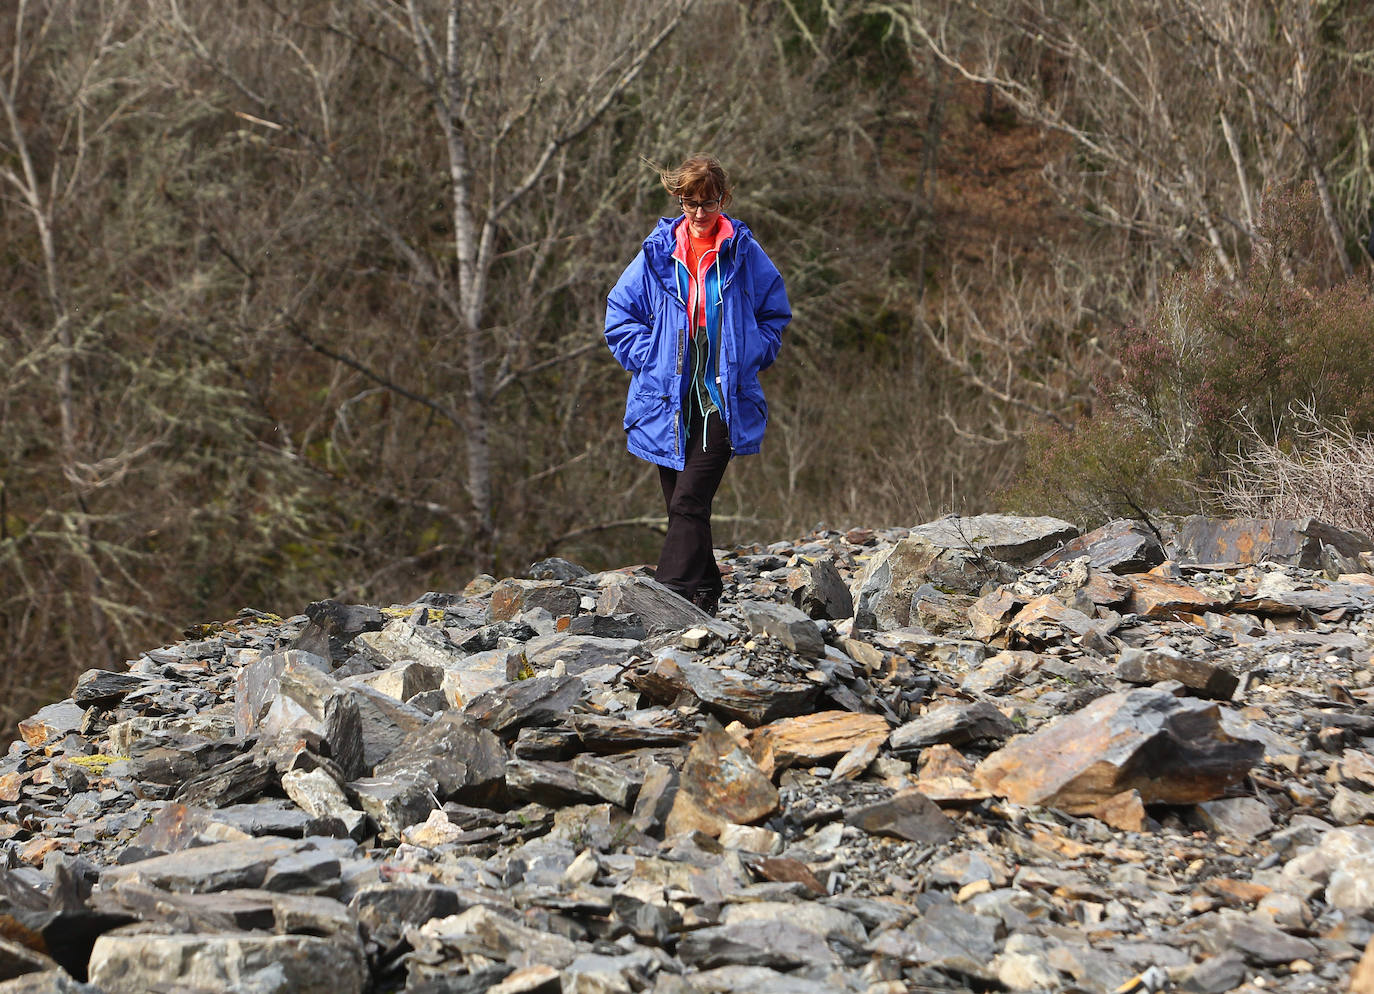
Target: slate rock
720	784
258	684
1120	546
811	738
788	625
554	568
1261	942
908	815
125	963
1295	541
542	700
819	591
885	588
333	625
953	724
400	641
946	937
321	796
217	867
578	653
103	688
1003	537
402	681
545	782
1172	750
512	597
490	636
778	944
620	626
47	982
1242	818
1149	666
727	691
658	608
465	761
396	801
385	910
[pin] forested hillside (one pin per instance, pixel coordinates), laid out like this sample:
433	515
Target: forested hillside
305	300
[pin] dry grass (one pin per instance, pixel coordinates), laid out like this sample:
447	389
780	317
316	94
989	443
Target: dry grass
1319	467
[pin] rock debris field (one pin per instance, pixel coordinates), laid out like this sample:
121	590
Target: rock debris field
982	754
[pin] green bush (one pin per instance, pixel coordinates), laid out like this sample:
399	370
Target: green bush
1212	367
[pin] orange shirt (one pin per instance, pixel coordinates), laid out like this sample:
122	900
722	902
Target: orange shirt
696	248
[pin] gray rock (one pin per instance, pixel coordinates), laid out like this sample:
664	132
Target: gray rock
820	591
1242	818
774	943
102	688
1215	975
1117	547
945	937
333	626
222	866
884	590
788	625
658	608
123	963
578	653
543	700
397	801
464	760
403	680
1260	941
511	598
1003	537
47	982
953	724
1153	666
1297	541
320	795
908	815
555	569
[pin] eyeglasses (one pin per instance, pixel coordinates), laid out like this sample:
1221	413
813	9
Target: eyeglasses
709	206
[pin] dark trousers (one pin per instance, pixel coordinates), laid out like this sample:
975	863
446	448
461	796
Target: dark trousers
686	564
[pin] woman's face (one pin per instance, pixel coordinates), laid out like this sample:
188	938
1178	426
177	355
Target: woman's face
701	207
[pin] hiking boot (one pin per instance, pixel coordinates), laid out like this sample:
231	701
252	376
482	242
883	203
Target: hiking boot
707	600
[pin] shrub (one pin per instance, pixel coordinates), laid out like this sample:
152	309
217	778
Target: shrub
1206	379
1321	467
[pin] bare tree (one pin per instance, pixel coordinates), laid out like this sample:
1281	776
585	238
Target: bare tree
512	88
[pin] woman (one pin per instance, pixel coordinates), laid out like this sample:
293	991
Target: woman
694	318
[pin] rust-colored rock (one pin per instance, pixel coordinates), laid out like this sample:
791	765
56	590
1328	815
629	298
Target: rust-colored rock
1162	597
1294	541
814	737
1172	750
720	785
511	596
1204	679
1046	619
990	614
1124	812
1362	979
1118	546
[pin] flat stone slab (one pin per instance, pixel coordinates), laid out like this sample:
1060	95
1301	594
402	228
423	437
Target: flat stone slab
1294	541
123	963
222	866
1004	537
1120	546
1172	750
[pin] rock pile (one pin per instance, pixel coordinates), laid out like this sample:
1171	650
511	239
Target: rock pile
981	754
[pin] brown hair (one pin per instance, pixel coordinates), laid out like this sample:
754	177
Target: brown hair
699	176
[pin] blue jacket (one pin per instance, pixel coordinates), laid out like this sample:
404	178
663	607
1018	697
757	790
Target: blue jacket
646	329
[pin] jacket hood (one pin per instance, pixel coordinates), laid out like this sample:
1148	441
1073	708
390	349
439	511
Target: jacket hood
659	246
